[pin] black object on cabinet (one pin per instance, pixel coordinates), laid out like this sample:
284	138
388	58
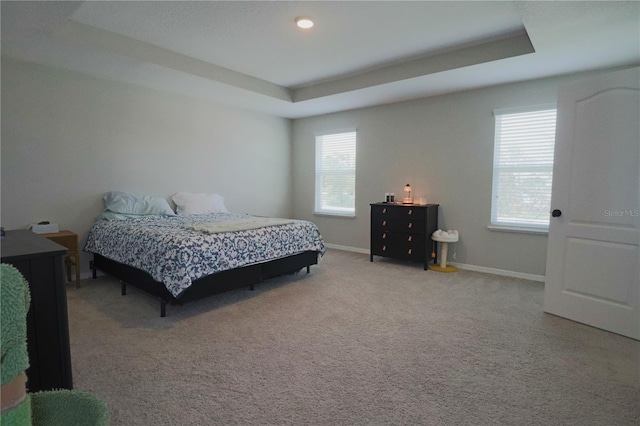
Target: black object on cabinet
42	263
403	231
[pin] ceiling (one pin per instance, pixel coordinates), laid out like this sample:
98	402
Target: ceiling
250	54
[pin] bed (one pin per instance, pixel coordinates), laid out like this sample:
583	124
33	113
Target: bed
186	257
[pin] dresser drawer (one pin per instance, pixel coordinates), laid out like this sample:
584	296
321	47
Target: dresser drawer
396	238
395	211
399	225
411	251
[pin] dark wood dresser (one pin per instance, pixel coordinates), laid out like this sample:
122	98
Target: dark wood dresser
403	231
41	261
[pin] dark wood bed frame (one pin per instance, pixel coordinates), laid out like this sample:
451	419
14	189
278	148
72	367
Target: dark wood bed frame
206	286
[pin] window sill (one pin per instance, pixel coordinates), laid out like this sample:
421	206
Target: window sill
344	216
518	230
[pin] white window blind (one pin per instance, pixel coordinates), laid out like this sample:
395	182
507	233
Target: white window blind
523	168
336	173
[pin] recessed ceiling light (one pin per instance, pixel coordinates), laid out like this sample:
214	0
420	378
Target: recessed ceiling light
304	23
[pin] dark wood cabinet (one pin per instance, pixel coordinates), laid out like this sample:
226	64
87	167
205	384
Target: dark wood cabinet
403	231
41	261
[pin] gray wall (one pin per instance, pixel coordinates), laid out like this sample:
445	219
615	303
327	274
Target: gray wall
68	138
443	147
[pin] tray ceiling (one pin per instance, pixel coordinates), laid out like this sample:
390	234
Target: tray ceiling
251	54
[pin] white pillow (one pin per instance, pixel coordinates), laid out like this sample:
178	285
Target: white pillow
138	204
187	203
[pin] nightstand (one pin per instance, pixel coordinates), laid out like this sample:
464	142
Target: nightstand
69	240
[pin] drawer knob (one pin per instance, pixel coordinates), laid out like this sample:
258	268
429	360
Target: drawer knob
384	223
384	235
384	210
384	248
410	238
410	211
410	225
409	252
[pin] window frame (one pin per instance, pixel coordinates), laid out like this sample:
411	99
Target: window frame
318	210
517	226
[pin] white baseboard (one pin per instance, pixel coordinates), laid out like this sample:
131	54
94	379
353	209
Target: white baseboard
347	248
475	268
86	275
494	271
89	275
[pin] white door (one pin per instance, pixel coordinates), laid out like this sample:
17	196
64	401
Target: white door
592	258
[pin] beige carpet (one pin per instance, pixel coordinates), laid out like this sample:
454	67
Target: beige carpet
352	343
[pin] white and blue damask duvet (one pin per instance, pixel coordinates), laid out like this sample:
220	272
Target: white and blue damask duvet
172	253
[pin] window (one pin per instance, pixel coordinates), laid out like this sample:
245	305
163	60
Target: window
523	168
336	173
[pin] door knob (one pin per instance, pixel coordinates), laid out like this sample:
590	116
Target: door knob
556	213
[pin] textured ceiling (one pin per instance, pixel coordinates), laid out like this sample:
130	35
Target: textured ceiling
250	54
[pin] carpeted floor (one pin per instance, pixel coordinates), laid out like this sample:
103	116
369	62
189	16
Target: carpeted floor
352	343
